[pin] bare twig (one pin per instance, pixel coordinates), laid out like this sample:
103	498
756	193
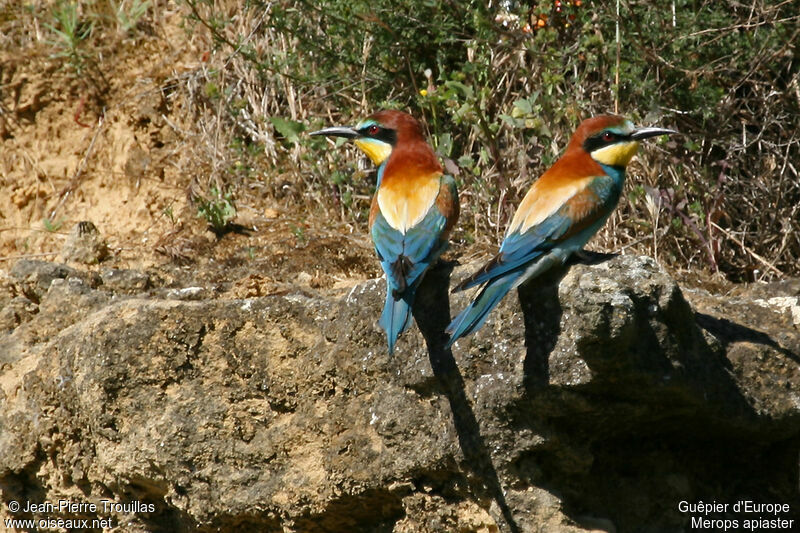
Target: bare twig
69	189
748	250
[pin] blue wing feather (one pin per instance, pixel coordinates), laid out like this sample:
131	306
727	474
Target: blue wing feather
405	258
420	246
527	254
519	249
477	311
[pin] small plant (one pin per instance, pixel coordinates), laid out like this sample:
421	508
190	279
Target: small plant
70	32
52	226
169	213
299	233
290	130
218	210
129	13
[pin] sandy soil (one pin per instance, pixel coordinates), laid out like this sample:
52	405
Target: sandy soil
111	147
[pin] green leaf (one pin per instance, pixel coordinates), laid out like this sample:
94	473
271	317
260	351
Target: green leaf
511	121
524	106
464	89
445	145
290	129
466	161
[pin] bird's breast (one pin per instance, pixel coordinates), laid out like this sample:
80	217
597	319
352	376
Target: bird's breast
543	199
404	201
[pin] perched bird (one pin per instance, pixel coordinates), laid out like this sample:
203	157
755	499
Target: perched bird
559	214
414	208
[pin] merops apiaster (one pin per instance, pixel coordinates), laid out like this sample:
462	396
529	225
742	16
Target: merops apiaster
414	208
563	209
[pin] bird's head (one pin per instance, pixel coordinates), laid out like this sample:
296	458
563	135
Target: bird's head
379	133
611	140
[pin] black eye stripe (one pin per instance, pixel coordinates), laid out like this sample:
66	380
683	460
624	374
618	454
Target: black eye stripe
370	130
379	133
602	139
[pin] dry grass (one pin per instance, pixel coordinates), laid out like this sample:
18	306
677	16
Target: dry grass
721	198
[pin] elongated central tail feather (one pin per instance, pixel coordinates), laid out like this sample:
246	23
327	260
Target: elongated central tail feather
476	312
396	316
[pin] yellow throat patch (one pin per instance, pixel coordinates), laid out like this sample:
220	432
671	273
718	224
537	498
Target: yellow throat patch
616	155
377	150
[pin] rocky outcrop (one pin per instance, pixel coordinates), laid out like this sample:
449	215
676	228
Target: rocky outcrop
602	401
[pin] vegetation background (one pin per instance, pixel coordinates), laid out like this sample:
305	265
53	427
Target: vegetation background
179	115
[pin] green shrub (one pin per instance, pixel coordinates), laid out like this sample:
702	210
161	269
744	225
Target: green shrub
218	209
501	89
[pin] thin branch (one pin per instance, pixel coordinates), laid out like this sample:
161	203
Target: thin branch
76	178
748	250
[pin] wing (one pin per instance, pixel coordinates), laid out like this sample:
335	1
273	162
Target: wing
447	203
406	255
569	226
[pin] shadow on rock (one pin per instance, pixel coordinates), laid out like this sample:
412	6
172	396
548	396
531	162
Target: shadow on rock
432	314
642	409
730	332
541	310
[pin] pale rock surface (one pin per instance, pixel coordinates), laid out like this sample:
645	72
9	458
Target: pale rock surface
598	404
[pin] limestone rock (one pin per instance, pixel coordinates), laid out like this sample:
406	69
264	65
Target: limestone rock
598	404
126	281
85	244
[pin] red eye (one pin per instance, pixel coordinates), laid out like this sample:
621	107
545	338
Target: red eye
373	130
608	136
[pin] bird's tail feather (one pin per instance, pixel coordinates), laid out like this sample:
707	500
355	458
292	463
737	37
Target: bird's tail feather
475	314
396	316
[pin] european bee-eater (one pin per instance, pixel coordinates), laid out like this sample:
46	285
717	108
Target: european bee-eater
414	208
562	210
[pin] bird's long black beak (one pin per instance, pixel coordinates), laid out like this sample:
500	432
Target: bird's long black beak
644	133
338	131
